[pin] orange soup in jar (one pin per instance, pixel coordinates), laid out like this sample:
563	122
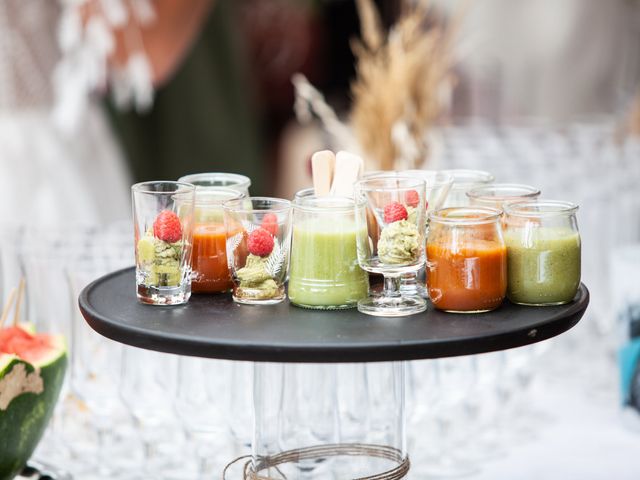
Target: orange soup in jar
466	260
209	253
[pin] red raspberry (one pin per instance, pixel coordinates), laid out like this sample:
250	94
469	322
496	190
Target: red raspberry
270	223
394	212
167	227
260	242
412	198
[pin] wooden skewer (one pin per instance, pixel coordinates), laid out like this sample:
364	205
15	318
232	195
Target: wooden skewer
7	307
16	315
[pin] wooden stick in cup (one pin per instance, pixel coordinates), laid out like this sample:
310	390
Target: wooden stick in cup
16	315
322	168
348	169
7	307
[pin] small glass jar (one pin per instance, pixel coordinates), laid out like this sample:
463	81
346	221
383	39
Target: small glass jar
304	193
209	254
324	272
463	181
499	194
219	179
543	252
466	259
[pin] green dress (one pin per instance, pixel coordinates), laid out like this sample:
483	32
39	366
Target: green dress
202	120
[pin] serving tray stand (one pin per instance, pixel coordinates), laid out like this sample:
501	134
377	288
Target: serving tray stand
213	326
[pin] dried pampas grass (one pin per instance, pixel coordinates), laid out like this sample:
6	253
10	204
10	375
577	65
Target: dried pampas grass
402	87
404	80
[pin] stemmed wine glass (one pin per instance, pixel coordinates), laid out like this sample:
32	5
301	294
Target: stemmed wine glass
94	372
390	219
446	383
200	408
147	388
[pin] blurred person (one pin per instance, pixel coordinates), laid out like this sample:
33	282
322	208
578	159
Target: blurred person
58	159
205	118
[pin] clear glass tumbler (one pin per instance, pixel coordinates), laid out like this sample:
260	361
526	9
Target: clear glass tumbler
391	226
258	252
324	272
543	252
209	258
466	259
437	191
498	194
234	181
463	181
163	218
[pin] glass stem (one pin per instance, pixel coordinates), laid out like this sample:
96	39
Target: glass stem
392	287
409	280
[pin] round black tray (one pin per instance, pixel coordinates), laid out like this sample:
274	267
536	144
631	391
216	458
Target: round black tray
214	326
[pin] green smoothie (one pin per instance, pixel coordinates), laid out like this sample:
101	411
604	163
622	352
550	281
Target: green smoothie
543	265
324	270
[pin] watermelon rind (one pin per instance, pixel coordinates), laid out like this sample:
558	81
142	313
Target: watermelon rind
25	419
6	360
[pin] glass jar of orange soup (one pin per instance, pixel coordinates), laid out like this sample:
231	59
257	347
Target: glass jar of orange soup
466	259
209	253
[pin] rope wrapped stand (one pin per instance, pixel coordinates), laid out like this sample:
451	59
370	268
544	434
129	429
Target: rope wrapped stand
324	451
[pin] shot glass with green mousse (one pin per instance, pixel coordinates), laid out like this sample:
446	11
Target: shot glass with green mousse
324	271
258	244
543	252
163	218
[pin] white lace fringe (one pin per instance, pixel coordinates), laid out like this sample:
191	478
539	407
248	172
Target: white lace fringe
86	46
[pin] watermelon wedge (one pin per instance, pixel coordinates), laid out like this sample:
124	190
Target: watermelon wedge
32	368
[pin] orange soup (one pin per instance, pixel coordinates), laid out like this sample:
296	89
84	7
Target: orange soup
470	277
209	259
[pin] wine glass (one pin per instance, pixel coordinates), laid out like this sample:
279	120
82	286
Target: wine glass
390	220
200	408
147	389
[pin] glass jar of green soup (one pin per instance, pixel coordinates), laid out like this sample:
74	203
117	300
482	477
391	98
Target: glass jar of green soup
324	272
543	252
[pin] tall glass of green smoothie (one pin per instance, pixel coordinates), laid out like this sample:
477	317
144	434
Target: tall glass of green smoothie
324	272
543	252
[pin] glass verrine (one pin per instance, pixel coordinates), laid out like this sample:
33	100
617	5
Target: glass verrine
465	180
324	272
543	252
390	215
437	190
438	186
258	251
498	194
304	193
466	259
209	258
163	221
234	181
